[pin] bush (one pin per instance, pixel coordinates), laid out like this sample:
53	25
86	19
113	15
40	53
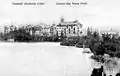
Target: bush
107	45
71	41
79	45
98	58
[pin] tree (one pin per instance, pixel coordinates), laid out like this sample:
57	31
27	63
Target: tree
21	35
108	45
1	36
89	32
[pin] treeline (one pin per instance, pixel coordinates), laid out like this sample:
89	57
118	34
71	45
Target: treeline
109	45
21	35
81	41
99	44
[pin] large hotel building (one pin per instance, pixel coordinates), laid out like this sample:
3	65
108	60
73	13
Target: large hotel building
69	28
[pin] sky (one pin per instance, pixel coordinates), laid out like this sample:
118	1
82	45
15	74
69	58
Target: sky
100	14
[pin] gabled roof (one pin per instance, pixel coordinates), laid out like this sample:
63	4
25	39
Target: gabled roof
43	25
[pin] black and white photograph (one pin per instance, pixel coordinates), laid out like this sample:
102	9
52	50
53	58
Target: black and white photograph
60	38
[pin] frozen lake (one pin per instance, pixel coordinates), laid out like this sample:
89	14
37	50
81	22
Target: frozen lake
43	59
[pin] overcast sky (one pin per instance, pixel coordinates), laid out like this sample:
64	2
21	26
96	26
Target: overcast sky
101	14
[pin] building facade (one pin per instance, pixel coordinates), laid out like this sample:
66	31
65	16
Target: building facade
69	28
7	29
111	31
53	30
39	29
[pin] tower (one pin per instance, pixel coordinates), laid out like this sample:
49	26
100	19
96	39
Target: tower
62	19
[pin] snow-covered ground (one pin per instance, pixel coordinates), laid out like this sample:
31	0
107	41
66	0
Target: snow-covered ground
43	59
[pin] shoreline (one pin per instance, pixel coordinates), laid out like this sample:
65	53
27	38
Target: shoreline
99	57
29	42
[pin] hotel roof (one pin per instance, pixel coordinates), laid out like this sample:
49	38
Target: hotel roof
69	23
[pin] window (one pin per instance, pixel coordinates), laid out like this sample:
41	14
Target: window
67	26
69	30
71	26
74	30
78	31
